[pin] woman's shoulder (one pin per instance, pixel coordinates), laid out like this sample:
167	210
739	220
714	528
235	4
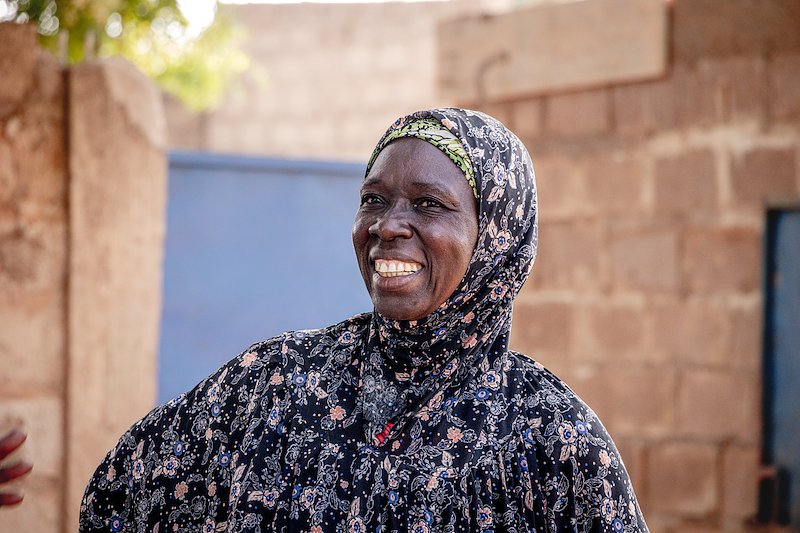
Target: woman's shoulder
249	373
549	410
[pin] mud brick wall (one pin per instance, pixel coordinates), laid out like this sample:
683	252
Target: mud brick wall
82	194
646	297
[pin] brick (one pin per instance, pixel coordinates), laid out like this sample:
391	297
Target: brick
740	466
616	183
727	260
702	93
609	334
714	28
690	332
32	344
560	187
744	338
686	183
576	115
645	107
528	119
42	417
18	43
542	330
572	257
737	85
718	405
682	479
763	174
784	86
645	261
632	401
694	104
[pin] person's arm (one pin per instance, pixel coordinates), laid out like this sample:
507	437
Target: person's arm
10	443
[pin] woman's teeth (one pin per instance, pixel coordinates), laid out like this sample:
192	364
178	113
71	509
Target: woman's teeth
390	269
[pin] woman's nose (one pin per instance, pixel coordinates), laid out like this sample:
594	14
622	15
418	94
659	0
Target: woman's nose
391	224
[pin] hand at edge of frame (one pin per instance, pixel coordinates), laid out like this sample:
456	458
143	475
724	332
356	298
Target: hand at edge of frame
9	443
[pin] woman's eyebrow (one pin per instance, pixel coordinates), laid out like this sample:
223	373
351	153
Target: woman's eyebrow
372	180
433	189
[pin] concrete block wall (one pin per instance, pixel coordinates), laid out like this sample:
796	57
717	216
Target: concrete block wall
326	79
646	295
82	193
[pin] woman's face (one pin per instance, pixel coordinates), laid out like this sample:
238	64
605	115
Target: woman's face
415	229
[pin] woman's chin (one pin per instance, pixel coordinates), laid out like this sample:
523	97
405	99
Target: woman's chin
401	297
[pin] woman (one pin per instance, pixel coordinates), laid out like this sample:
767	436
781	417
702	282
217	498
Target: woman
413	417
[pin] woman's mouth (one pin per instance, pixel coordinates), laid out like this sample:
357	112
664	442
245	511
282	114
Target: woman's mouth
390	268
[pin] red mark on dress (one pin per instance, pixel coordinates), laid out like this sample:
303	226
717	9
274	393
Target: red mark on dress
380	437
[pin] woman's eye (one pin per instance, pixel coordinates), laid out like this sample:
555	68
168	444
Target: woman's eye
429	202
370	199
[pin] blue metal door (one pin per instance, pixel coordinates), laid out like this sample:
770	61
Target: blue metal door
782	367
254	247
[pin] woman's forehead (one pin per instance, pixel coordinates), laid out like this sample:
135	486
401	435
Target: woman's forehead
417	163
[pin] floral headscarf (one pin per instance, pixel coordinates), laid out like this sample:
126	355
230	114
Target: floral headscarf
407	362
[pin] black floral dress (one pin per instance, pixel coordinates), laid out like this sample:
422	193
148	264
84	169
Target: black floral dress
380	425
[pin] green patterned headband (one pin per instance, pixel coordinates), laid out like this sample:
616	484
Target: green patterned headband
434	132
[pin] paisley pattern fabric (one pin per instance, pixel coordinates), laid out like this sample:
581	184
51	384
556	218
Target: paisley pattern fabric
381	425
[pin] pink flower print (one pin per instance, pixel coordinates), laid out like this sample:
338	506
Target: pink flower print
138	469
356	525
485	518
347	337
607	509
491	380
248	359
470	341
502	241
605	459
181	489
337	413
498	290
454	434
566	433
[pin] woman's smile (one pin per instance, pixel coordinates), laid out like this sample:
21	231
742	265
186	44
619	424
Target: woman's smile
389	268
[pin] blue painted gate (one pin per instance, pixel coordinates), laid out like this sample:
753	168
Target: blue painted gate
254	247
780	495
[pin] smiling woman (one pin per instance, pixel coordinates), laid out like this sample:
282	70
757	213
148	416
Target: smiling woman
415	416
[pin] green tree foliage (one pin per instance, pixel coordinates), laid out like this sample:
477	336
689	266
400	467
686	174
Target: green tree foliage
153	34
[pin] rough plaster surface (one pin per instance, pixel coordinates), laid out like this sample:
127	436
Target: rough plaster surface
551	47
17	65
117	201
82	194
